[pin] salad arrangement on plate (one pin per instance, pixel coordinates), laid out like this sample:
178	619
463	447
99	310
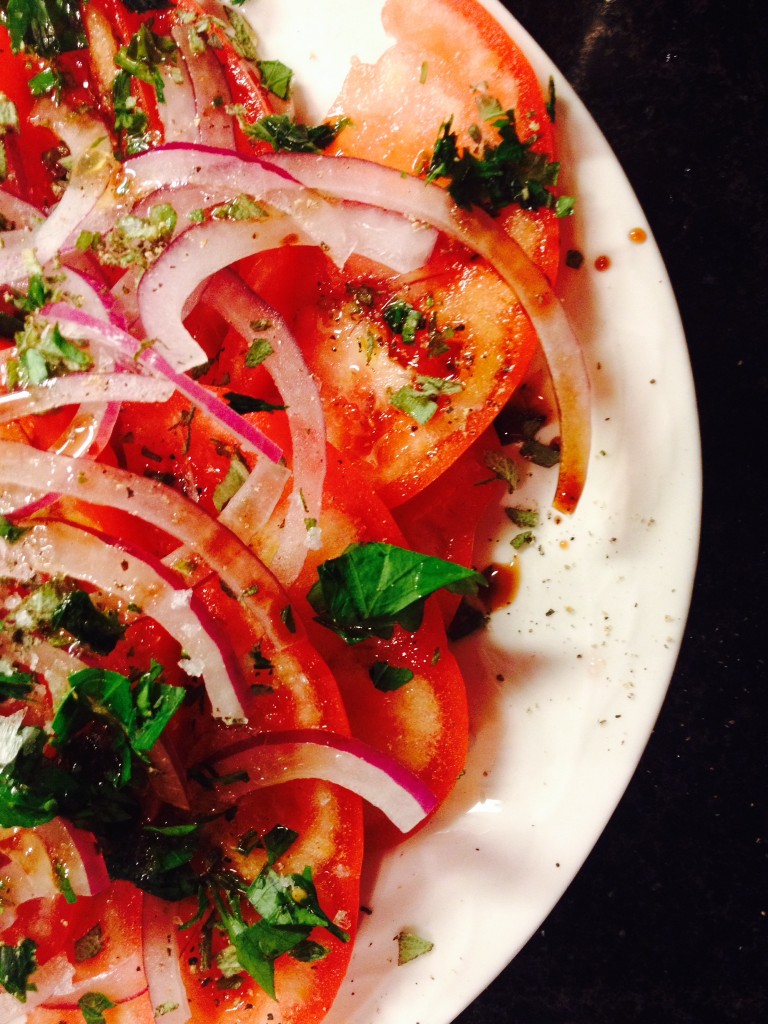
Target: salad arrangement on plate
250	370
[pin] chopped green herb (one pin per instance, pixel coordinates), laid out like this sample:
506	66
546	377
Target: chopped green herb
92	1006
137	241
10	532
284	133
410	946
288	618
79	617
276	77
243	404
15	685
89	945
551	100
503	467
521	540
47	80
242	207
260	663
17	964
510	172
523	517
540	454
401	317
386	677
420	402
236	476
373	587
143	55
63	883
44	27
131	123
257	352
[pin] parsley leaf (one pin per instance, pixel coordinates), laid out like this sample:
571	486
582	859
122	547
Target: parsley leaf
44	27
77	615
92	1006
420	402
15	685
10	532
17	964
283	133
142	56
373	587
506	173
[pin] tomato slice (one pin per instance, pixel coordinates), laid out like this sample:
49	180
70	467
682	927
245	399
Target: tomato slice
474	342
424	723
28	175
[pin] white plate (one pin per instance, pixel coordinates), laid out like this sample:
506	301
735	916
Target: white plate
566	684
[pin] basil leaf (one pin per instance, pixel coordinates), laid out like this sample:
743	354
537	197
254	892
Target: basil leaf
371	588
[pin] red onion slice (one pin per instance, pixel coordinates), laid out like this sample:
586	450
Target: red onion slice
240	307
91	174
178	112
88	328
214	124
161	962
30	472
78	854
75	388
362	181
316	754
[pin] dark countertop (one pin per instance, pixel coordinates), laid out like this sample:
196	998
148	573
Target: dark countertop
667	921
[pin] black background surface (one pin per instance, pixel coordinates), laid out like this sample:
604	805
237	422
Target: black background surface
667	922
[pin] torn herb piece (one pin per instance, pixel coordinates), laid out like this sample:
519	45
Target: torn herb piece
276	77
387	678
540	454
10	532
502	467
237	474
92	1006
143	55
283	133
17	964
403	319
89	945
410	946
15	685
258	351
420	402
243	404
527	518
78	616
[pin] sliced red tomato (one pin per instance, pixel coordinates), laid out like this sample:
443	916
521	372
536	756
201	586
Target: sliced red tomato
474	342
424	723
29	176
